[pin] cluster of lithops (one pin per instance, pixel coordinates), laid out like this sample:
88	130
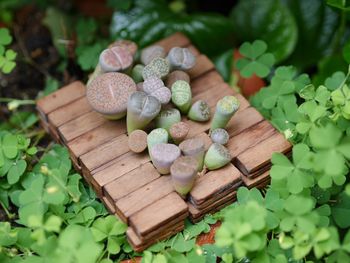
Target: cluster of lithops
142	90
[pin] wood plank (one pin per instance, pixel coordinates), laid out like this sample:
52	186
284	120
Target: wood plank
158	213
105	153
260	155
206	81
117	168
69	112
77	127
59	98
194	50
130	182
253	182
203	65
144	196
110	207
213	183
250	137
175	40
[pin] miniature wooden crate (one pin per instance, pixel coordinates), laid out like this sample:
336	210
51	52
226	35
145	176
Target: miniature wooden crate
128	183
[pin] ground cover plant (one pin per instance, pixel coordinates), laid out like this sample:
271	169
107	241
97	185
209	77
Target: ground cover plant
301	51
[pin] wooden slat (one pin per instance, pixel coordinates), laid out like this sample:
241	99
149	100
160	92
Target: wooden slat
175	40
250	137
213	183
260	155
253	182
144	196
108	205
157	214
205	82
130	182
60	98
203	65
194	50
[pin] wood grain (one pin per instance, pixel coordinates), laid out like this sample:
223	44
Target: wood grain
205	82
174	40
203	65
253	182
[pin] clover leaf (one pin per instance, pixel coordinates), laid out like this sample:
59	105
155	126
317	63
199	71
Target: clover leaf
5	37
7	63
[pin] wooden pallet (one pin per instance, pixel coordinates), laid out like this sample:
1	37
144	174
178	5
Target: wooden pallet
128	183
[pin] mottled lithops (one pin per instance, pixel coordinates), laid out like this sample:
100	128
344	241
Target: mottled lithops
199	111
141	110
220	136
181	95
183	174
167	118
136	73
179	131
194	147
158	67
163	155
137	141
181	58
176	75
108	94
150	53
139	86
128	44
155	87
157	136
225	109
216	157
115	59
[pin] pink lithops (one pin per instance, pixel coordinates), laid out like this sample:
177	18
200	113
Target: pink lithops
155	87
149	53
115	59
108	94
130	45
181	58
163	155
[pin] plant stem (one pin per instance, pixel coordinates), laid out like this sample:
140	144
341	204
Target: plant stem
340	33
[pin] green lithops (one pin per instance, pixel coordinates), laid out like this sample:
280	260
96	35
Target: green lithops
225	109
181	95
156	136
194	147
217	156
167	118
163	155
136	73
199	111
141	110
220	136
176	75
158	67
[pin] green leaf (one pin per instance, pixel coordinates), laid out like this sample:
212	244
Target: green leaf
16	171
341	211
103	228
8	236
5	37
298	205
269	21
223	63
340	4
180	244
88	55
334	82
9	146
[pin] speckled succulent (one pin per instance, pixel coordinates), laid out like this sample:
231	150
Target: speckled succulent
176	75
194	147
167	118
181	95
115	59
220	136
181	58
217	156
137	141
155	87
158	67
150	53
163	155
179	131
108	94
199	111
225	109
156	136
128	44
183	174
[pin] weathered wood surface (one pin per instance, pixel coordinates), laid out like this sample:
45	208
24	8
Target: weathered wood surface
130	186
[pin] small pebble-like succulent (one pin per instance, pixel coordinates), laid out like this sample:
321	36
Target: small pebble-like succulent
220	136
137	141
176	75
108	94
217	156
194	147
139	86
158	67
181	95
157	136
183	174
128	44
181	58
167	118
136	73
141	110
199	111
150	53
225	109
163	155
115	59
179	131
155	87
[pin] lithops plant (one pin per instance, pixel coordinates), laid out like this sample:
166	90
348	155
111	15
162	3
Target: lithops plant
136	73
217	156
115	59
163	155
181	95
128	44
167	118
155	87
152	52
176	75
199	111
158	67
157	136
183	174
137	141
194	147
181	58
225	109
141	110
179	131
220	136
109	93
139	86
